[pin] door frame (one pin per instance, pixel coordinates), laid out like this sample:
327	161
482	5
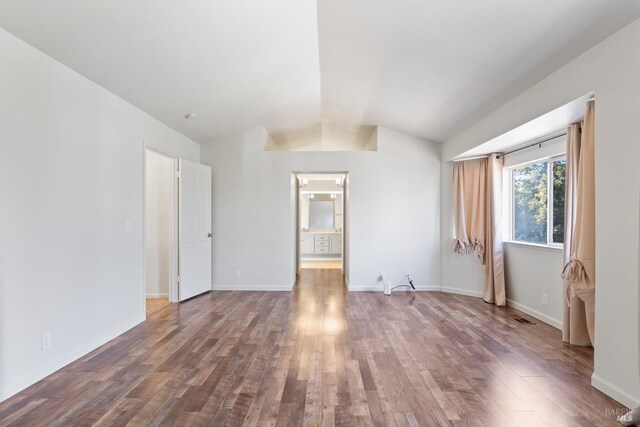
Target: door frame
173	266
345	219
297	222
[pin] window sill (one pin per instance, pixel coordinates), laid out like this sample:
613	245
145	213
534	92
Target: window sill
533	245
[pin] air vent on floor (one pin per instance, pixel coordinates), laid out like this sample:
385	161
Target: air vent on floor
523	320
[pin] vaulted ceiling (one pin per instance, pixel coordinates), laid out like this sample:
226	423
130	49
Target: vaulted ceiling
424	67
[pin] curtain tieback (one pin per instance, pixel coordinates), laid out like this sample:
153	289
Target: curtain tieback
462	247
572	271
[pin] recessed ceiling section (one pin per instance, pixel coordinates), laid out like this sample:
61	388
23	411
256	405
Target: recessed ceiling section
329	135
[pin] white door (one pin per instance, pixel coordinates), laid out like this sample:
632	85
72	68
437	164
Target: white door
195	229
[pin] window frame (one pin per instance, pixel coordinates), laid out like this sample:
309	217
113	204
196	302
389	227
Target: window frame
550	196
509	204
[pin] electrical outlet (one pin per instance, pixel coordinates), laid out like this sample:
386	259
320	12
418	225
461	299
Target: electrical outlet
46	341
237	274
128	225
381	277
545	299
407	274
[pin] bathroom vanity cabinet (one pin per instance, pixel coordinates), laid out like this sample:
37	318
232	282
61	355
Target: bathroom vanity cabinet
320	243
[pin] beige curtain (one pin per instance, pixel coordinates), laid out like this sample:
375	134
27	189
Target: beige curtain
477	196
574	326
579	246
469	199
494	264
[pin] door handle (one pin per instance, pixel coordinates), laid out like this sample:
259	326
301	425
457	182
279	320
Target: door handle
209	235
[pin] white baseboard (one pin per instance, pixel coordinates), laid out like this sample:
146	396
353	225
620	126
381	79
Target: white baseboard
535	313
460	291
380	288
66	359
530	311
260	288
614	392
432	288
366	288
157	295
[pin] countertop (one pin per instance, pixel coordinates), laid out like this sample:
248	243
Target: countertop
321	232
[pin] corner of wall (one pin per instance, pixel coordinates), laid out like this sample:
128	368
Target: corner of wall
74	354
372	144
615	392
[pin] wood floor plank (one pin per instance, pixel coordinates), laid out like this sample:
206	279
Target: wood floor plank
323	356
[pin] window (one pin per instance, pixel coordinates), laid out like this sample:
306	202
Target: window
557	172
538	202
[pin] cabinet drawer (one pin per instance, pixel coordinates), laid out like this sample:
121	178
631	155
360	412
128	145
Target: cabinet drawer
322	238
322	249
322	243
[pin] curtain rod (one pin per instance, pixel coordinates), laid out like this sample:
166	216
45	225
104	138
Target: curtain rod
538	143
469	158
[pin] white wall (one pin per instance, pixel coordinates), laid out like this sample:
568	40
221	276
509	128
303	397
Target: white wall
72	175
159	229
338	213
304	211
611	69
530	272
394	210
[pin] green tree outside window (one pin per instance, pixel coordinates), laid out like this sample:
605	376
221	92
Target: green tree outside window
531	200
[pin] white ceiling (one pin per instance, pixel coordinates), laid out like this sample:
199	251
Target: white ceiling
430	68
236	64
424	67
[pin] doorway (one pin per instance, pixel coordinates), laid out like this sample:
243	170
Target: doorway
177	213
160	229
321	220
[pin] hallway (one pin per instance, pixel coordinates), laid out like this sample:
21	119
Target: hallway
322	356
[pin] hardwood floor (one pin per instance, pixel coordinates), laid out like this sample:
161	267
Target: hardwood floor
155	304
321	264
322	356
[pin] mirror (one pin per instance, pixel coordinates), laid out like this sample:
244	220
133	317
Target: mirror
321	214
